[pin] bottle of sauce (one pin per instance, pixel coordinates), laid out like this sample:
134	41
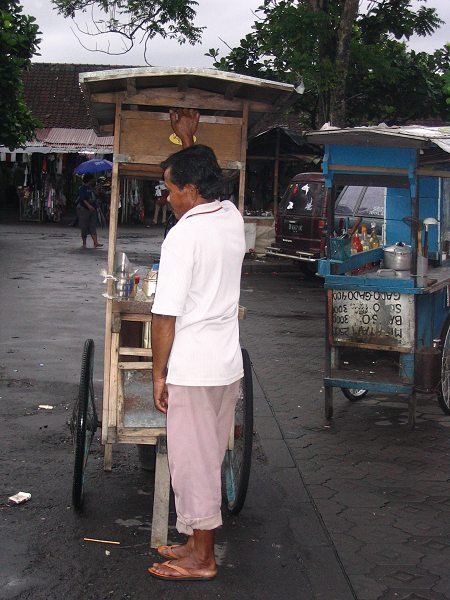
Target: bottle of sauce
356	243
374	242
364	238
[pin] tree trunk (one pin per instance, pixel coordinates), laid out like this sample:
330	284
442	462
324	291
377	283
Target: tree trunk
344	36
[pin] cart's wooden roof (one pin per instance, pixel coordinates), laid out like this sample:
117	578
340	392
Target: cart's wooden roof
165	88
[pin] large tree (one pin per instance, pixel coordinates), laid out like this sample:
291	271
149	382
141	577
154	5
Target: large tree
18	43
354	66
133	21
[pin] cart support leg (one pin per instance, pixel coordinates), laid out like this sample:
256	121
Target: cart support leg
412	410
328	402
160	518
107	460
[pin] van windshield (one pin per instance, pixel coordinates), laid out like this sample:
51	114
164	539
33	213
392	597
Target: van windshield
304	199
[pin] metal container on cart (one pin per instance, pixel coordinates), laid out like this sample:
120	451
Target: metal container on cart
388	331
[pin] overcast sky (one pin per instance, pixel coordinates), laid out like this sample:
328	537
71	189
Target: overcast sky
230	20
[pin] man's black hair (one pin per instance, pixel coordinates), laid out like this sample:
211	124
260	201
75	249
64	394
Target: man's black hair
87	177
198	166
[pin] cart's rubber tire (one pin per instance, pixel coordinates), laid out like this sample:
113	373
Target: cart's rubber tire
237	462
84	423
353	394
443	393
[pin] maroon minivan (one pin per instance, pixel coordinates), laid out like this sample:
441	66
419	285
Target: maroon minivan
300	227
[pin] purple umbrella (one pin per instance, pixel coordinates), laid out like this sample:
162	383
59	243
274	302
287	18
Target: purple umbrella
93	166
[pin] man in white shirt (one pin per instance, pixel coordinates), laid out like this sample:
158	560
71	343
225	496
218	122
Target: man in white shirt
197	361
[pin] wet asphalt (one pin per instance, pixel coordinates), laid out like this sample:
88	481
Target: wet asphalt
353	508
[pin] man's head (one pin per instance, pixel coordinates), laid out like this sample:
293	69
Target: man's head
88	178
192	176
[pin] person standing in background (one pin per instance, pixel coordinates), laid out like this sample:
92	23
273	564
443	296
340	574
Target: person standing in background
87	210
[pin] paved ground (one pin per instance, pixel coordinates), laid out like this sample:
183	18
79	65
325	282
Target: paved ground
354	508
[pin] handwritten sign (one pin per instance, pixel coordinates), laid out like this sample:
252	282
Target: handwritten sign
372	318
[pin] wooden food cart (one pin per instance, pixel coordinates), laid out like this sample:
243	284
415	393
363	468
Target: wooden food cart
386	330
133	105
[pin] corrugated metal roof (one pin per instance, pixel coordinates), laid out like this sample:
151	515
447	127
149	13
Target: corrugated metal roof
63	141
77	139
416	135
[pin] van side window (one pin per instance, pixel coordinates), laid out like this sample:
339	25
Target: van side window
304	199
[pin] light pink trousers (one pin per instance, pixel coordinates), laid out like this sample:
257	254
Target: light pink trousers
199	421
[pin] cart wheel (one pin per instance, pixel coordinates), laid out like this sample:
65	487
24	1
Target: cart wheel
353	394
84	422
443	394
236	465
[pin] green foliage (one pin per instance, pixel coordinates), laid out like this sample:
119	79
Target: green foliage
297	39
136	20
18	43
392	84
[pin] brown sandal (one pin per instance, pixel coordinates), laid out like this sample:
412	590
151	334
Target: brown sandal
167	551
180	574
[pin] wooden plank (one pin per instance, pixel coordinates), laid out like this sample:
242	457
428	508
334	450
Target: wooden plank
137	318
429	173
170	97
148	165
136	351
113	384
149	141
135	366
140	171
160	517
109	288
132	306
119	401
142	117
242	314
243	154
232	90
116	323
131	86
367	169
139	435
107	458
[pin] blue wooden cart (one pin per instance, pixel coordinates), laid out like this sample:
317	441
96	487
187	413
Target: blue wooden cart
388	331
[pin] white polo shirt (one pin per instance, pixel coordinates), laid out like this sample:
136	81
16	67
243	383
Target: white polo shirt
199	283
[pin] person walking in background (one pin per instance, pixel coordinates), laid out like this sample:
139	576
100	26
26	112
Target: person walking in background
197	360
87	210
161	195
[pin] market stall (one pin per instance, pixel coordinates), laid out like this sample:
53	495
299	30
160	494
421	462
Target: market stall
388	308
133	105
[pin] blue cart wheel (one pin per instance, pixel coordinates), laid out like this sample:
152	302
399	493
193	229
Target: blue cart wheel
84	423
353	394
443	394
237	461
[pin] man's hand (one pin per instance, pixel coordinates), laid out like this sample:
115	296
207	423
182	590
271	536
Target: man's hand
184	122
163	333
160	394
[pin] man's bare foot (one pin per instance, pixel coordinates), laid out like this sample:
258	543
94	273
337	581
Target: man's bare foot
188	568
177	551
